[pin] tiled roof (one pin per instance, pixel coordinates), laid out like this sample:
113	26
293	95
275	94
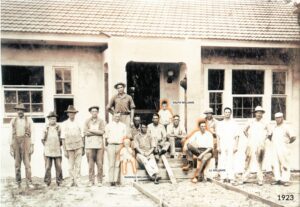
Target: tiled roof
260	20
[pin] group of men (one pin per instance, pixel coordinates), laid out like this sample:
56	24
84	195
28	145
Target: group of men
218	139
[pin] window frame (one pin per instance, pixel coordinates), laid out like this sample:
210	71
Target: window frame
62	68
268	86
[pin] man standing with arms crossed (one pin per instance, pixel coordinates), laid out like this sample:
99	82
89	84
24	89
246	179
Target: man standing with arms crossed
94	145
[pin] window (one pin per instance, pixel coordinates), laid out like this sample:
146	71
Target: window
63	81
216	87
23	84
247	90
278	101
31	98
64	96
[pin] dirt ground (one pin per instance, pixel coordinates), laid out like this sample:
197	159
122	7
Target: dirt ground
182	194
64	196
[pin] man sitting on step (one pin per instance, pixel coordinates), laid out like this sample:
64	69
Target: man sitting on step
144	145
200	145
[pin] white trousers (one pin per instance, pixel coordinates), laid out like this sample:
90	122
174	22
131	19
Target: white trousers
225	164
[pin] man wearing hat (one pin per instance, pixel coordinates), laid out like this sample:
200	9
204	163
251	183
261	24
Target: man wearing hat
256	132
21	147
52	149
122	103
94	144
211	123
281	136
72	144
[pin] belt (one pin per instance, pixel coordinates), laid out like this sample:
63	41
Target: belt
125	113
114	143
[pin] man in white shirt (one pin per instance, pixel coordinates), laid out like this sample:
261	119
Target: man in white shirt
227	141
256	132
115	132
175	134
281	136
201	145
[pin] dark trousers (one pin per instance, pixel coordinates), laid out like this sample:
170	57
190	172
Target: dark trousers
198	151
58	170
21	146
95	156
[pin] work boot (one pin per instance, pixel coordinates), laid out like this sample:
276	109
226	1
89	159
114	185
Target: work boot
260	183
277	182
286	184
90	184
156	179
188	166
162	152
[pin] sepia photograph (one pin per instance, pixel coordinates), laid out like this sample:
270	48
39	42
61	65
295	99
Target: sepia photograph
150	103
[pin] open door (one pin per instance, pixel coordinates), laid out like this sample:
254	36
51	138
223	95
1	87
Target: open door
143	84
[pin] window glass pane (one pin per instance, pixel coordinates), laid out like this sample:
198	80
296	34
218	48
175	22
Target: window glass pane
278	105
27	106
67	75
37	107
215	79
215	102
10	97
59	88
22	75
244	106
58	75
279	79
23	97
67	86
10	107
36	97
247	82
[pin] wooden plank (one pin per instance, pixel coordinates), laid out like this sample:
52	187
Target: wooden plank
169	170
150	195
249	195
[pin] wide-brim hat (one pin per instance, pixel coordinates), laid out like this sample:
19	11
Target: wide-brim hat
120	83
208	111
93	107
278	114
52	114
71	109
20	107
259	108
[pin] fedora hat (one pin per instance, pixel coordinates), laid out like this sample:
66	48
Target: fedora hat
52	114
20	107
259	108
208	111
120	83
71	109
94	107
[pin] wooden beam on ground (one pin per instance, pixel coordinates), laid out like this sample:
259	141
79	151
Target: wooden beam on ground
249	195
169	170
150	195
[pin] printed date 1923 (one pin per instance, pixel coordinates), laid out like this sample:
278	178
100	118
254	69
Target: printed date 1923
287	197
